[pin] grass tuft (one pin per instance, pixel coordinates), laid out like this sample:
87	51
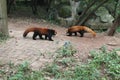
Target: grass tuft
3	37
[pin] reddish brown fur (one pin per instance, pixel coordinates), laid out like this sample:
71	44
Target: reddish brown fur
48	33
74	29
43	31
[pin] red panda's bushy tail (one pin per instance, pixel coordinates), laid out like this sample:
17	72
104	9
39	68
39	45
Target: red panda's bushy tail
27	31
90	31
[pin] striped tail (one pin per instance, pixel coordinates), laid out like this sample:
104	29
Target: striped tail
90	31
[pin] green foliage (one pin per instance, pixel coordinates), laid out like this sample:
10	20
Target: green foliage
109	61
67	61
63	59
3	37
66	50
65	11
52	70
20	72
101	65
52	17
118	29
86	72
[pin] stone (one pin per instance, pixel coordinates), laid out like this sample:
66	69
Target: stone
104	15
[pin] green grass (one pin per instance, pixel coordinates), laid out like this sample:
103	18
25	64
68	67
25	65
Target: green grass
101	65
3	37
66	50
20	72
118	29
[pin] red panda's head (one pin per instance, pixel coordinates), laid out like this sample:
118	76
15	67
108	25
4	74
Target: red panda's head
52	31
68	31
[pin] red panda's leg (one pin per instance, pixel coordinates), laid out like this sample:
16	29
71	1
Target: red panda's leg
40	35
75	33
49	37
35	35
82	33
69	33
45	37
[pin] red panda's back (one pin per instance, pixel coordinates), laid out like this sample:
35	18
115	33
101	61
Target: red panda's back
75	28
43	31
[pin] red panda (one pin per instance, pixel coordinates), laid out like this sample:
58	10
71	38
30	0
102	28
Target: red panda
81	30
39	32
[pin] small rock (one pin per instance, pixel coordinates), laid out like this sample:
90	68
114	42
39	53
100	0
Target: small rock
118	53
112	44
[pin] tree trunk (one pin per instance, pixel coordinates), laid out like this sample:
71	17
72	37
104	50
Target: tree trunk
34	6
3	17
84	12
112	29
87	14
115	10
9	5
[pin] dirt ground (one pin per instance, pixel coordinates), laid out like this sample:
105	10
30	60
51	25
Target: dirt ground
39	52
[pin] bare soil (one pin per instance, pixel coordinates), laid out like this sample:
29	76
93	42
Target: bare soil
39	52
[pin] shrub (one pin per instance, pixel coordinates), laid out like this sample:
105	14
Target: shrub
3	37
66	50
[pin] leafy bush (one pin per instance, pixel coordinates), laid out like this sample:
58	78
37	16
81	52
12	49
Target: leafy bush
3	37
20	72
118	29
64	11
66	50
52	70
108	62
102	65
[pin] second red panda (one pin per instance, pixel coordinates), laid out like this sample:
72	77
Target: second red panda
81	30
